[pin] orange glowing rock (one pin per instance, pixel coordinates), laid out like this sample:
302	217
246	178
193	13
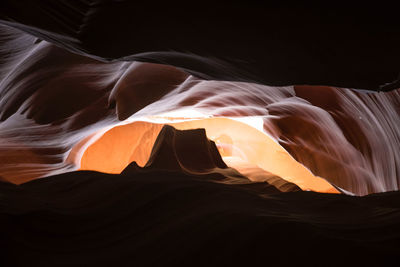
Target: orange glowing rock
243	147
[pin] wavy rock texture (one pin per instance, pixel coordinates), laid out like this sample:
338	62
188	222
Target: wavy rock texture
51	100
71	72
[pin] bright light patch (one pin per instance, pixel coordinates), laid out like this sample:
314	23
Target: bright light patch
256	122
180	115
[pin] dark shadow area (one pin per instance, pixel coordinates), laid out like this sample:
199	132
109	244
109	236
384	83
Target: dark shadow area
344	45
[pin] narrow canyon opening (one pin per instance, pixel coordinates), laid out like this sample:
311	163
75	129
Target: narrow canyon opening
241	142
